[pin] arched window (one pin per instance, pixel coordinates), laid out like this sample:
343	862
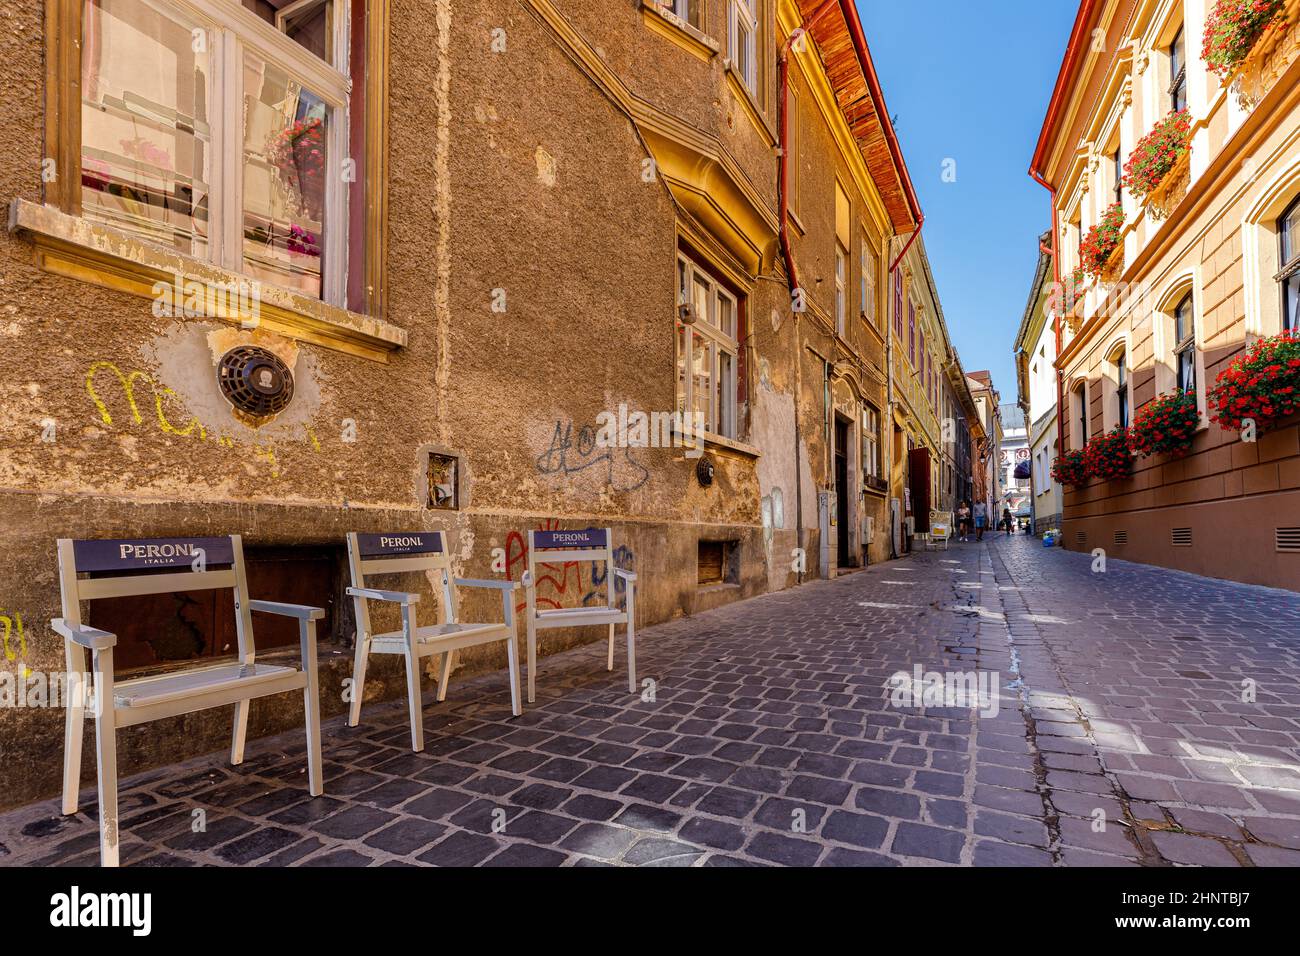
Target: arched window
1288	228
1081	414
1185	344
1178	71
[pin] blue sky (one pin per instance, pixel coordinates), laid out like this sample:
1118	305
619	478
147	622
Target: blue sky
970	81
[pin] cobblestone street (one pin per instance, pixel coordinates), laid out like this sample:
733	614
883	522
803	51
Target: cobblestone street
1121	738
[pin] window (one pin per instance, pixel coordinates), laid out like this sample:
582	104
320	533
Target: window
1117	172
871	466
688	10
743	49
911	333
898	303
792	163
1288	228
230	146
1185	347
1081	414
1121	388
707	351
1178	71
867	279
841	288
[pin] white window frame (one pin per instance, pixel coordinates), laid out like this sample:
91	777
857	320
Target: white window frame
717	421
232	30
681	9
741	17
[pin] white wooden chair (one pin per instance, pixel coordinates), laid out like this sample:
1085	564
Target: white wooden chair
371	554
560	547
131	567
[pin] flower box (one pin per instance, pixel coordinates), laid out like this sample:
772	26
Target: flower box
1070	469
1098	247
1261	385
1160	161
1165	425
1107	457
1273	50
1162	200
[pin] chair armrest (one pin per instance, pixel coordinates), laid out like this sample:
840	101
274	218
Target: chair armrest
397	597
625	575
302	612
481	583
91	638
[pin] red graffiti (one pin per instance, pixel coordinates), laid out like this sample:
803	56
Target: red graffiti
554	576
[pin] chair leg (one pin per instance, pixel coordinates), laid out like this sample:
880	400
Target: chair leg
445	674
311	711
413	698
240	734
74	724
106	748
631	653
609	654
532	661
512	659
361	656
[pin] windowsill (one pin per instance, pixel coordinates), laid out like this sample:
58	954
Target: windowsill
687	36
716	587
796	222
717	442
92	252
750	104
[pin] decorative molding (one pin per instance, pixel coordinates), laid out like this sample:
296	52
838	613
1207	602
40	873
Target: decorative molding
750	106
77	248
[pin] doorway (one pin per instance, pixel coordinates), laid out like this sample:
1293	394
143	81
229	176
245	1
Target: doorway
842	492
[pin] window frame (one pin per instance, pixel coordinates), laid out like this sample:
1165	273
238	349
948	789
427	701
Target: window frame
841	289
681	9
98	261
720	342
1122	389
1080	394
868	264
744	13
1185	346
873	464
1178	70
1289	273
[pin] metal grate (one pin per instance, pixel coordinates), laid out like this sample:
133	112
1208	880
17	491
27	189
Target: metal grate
1121	537
1181	537
1081	537
1287	539
255	381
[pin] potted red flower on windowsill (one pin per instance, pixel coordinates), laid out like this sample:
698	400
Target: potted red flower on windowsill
1165	425
1102	240
1261	385
1107	456
1157	153
1069	469
1232	29
297	154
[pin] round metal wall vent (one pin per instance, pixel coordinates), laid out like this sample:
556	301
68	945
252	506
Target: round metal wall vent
255	381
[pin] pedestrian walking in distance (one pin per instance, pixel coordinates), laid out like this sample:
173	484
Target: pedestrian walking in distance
981	519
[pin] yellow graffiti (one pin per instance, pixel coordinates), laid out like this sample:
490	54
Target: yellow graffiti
167	426
128	386
22	641
193	428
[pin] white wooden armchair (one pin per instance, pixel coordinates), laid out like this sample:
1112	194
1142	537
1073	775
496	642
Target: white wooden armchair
381	554
560	547
132	567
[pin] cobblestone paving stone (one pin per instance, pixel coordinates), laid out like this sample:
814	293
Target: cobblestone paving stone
1120	738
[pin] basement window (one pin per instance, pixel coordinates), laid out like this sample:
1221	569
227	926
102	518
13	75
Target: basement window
718	562
442	481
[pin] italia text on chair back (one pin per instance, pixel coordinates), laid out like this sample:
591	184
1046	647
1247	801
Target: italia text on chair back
127	567
560	546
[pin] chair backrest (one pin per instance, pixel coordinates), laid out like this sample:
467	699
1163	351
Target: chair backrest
128	567
398	552
558	546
